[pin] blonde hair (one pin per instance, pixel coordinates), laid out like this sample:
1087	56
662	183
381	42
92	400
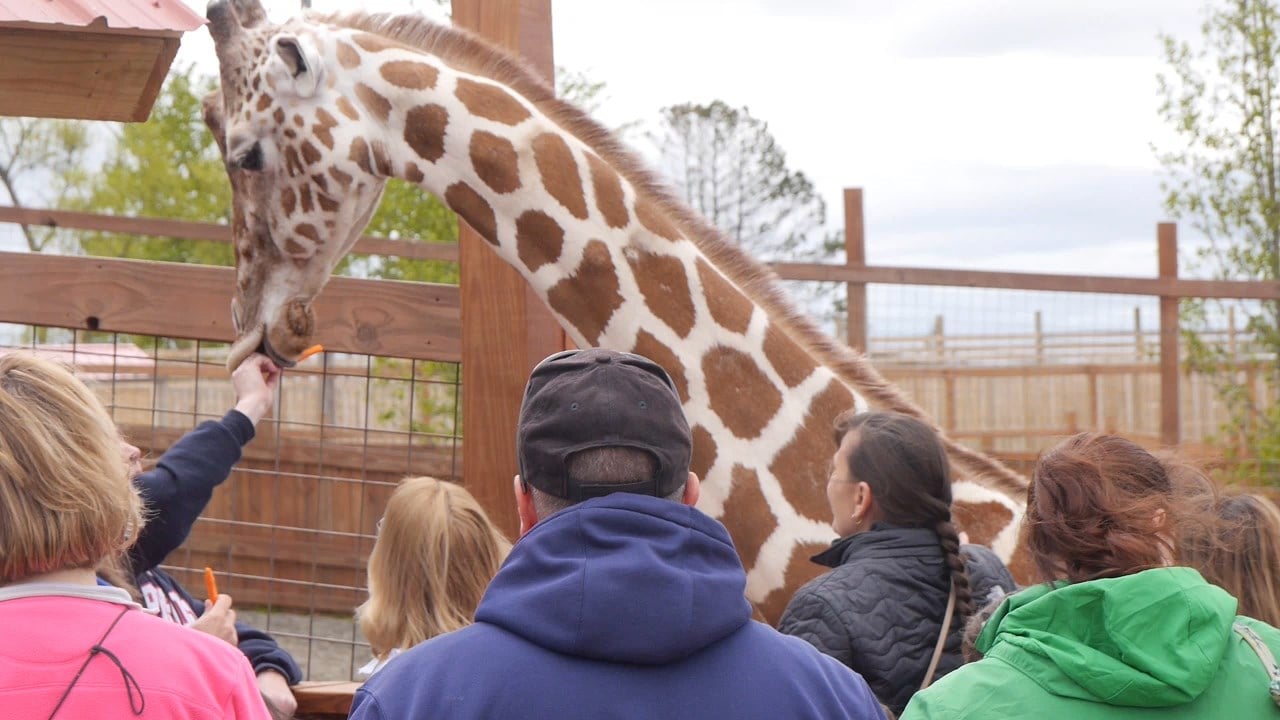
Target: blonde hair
1245	560
66	500
435	554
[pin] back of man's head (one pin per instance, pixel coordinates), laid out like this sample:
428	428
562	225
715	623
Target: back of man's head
595	422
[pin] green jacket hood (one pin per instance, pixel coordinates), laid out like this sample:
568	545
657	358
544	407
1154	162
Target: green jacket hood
1151	639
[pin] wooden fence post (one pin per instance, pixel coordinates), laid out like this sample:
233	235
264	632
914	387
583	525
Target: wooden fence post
1039	338
939	340
855	250
1170	403
506	329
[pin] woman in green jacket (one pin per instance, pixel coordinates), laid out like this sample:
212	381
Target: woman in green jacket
1117	630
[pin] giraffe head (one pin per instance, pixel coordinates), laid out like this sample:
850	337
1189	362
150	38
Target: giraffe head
300	193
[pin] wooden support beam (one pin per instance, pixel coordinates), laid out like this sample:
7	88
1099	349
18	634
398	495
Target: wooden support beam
506	329
1170	378
374	317
855	249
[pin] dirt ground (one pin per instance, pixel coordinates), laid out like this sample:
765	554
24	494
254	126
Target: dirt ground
326	647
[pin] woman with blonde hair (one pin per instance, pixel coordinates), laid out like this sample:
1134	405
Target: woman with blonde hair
435	554
1245	560
70	647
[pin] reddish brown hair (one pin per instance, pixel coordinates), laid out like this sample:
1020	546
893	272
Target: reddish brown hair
1102	506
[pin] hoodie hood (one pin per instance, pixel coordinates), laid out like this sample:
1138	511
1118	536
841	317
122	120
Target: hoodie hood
621	578
1151	639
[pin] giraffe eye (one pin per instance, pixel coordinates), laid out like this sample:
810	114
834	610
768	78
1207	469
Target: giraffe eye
251	160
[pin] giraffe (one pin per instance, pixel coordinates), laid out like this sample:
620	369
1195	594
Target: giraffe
313	115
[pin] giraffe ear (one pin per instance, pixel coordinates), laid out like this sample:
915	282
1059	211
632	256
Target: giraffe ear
301	61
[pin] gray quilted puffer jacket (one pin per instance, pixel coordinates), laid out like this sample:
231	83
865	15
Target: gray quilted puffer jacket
880	609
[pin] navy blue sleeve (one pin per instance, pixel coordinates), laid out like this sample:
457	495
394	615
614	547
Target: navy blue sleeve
178	488
263	651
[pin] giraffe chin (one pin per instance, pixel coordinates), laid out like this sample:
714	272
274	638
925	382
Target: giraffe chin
243	347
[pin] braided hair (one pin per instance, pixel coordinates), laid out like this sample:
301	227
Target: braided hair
906	465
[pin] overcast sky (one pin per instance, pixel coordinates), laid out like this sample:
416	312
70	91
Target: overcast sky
996	134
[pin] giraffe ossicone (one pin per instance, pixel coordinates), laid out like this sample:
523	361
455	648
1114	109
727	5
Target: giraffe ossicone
314	115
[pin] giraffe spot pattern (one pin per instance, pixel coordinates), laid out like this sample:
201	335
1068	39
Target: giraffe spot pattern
323	127
297	120
729	306
804	481
342	178
290	133
413	174
373	101
409	74
327	203
288	200
278	116
472	207
321	182
704	450
490	102
307	230
608	187
495	161
295	250
589	297
346	108
310	154
654	220
649	346
264	102
424	131
381	158
799	571
982	521
665	286
360	155
743	517
373	43
347	56
790	361
304	199
559	172
539	239
292	162
739	392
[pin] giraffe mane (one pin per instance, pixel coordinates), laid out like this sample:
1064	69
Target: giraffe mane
469	53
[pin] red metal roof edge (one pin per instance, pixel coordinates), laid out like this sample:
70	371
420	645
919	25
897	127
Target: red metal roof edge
162	15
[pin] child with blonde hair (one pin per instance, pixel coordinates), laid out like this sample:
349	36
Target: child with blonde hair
435	554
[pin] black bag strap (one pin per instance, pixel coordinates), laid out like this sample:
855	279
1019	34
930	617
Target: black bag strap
138	704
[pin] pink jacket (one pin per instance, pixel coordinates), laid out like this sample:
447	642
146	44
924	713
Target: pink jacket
166	670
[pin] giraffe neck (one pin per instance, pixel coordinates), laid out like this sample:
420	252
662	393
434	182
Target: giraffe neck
622	265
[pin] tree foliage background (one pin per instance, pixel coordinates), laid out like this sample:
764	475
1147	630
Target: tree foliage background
1219	97
731	169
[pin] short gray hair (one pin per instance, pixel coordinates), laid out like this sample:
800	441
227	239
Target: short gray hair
602	466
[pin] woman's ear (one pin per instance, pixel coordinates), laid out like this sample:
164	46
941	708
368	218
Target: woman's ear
864	502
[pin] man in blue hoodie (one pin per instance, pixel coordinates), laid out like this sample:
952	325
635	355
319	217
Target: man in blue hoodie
620	599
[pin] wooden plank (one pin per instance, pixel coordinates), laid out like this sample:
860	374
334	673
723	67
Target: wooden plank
72	74
162	228
331	699
855	250
159	71
375	317
506	330
1158	286
1170	402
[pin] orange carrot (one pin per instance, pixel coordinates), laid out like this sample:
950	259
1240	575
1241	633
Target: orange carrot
210	585
313	350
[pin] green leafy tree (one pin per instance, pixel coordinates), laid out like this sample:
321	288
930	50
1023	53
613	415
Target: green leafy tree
730	168
1219	98
41	165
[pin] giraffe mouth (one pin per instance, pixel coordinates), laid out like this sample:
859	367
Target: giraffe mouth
265	348
244	346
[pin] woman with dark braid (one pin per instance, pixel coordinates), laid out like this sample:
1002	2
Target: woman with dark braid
899	569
